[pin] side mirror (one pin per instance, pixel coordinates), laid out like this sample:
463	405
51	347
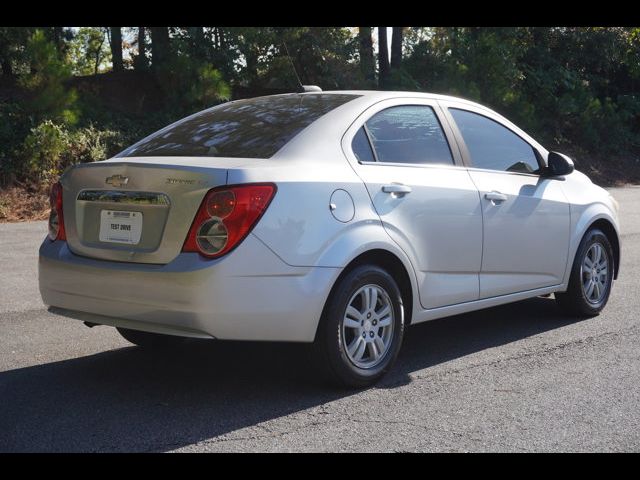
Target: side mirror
558	164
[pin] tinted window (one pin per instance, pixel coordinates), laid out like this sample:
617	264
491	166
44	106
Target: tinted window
253	128
409	134
493	146
361	147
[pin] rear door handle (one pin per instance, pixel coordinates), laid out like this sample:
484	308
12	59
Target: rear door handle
495	197
396	188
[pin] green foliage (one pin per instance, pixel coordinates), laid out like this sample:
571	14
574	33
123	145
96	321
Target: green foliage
49	148
14	127
50	99
12	47
42	150
208	87
191	84
323	56
570	87
575	89
89	51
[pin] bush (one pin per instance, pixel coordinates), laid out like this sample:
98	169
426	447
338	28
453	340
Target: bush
90	145
15	125
42	151
50	148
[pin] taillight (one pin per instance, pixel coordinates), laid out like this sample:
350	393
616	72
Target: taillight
226	216
56	219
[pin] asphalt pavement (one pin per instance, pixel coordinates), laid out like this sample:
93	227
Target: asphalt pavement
520	377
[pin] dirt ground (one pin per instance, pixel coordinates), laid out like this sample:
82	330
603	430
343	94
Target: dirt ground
21	203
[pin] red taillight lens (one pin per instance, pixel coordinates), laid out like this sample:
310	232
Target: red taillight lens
56	219
226	216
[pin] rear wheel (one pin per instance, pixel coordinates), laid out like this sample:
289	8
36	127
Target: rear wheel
591	276
150	340
361	331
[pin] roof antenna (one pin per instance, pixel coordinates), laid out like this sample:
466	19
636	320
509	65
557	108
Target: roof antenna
303	88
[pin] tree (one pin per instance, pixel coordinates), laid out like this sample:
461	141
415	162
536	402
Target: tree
140	60
13	60
116	48
396	48
160	47
367	66
50	98
383	58
198	46
89	51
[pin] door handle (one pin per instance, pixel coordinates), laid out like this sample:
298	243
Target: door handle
396	188
495	197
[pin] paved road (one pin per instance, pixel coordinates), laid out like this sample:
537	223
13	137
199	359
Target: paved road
513	378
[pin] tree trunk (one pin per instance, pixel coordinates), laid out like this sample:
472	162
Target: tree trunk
223	40
216	38
116	48
159	47
140	62
396	48
367	66
98	58
57	37
383	58
197	42
251	58
6	67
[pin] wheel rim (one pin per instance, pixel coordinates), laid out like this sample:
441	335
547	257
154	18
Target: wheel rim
367	326
594	273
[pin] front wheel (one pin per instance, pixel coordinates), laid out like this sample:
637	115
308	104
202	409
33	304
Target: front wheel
361	331
591	276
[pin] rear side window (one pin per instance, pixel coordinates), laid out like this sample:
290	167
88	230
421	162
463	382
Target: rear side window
253	128
409	134
361	147
493	146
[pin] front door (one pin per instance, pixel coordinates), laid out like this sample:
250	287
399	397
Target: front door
526	217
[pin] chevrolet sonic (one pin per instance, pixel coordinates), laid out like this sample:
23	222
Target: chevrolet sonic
332	218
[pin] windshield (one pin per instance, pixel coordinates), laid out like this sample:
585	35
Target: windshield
252	128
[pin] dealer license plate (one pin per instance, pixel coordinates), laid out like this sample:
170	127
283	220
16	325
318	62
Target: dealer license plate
120	227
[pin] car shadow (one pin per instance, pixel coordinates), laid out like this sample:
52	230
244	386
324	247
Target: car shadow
130	400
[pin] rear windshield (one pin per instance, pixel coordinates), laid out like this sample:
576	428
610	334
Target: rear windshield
253	128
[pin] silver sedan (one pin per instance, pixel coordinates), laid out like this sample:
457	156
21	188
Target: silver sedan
332	218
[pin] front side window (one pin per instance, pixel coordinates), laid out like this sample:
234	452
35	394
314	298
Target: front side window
253	128
493	146
409	134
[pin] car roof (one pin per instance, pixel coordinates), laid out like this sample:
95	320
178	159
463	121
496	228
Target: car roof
369	97
384	94
373	96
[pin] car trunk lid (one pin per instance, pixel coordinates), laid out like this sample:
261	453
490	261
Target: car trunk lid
137	210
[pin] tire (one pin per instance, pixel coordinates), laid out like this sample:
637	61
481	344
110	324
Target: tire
356	345
148	340
584	297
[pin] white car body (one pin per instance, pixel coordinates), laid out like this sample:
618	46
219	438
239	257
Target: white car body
456	250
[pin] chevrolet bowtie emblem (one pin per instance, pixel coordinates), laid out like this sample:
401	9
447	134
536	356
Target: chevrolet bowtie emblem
117	180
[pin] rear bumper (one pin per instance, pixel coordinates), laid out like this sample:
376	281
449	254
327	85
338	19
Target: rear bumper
248	295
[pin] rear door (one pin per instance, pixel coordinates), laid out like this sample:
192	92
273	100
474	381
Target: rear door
423	195
526	216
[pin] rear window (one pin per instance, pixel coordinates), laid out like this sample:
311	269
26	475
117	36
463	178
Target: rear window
253	128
